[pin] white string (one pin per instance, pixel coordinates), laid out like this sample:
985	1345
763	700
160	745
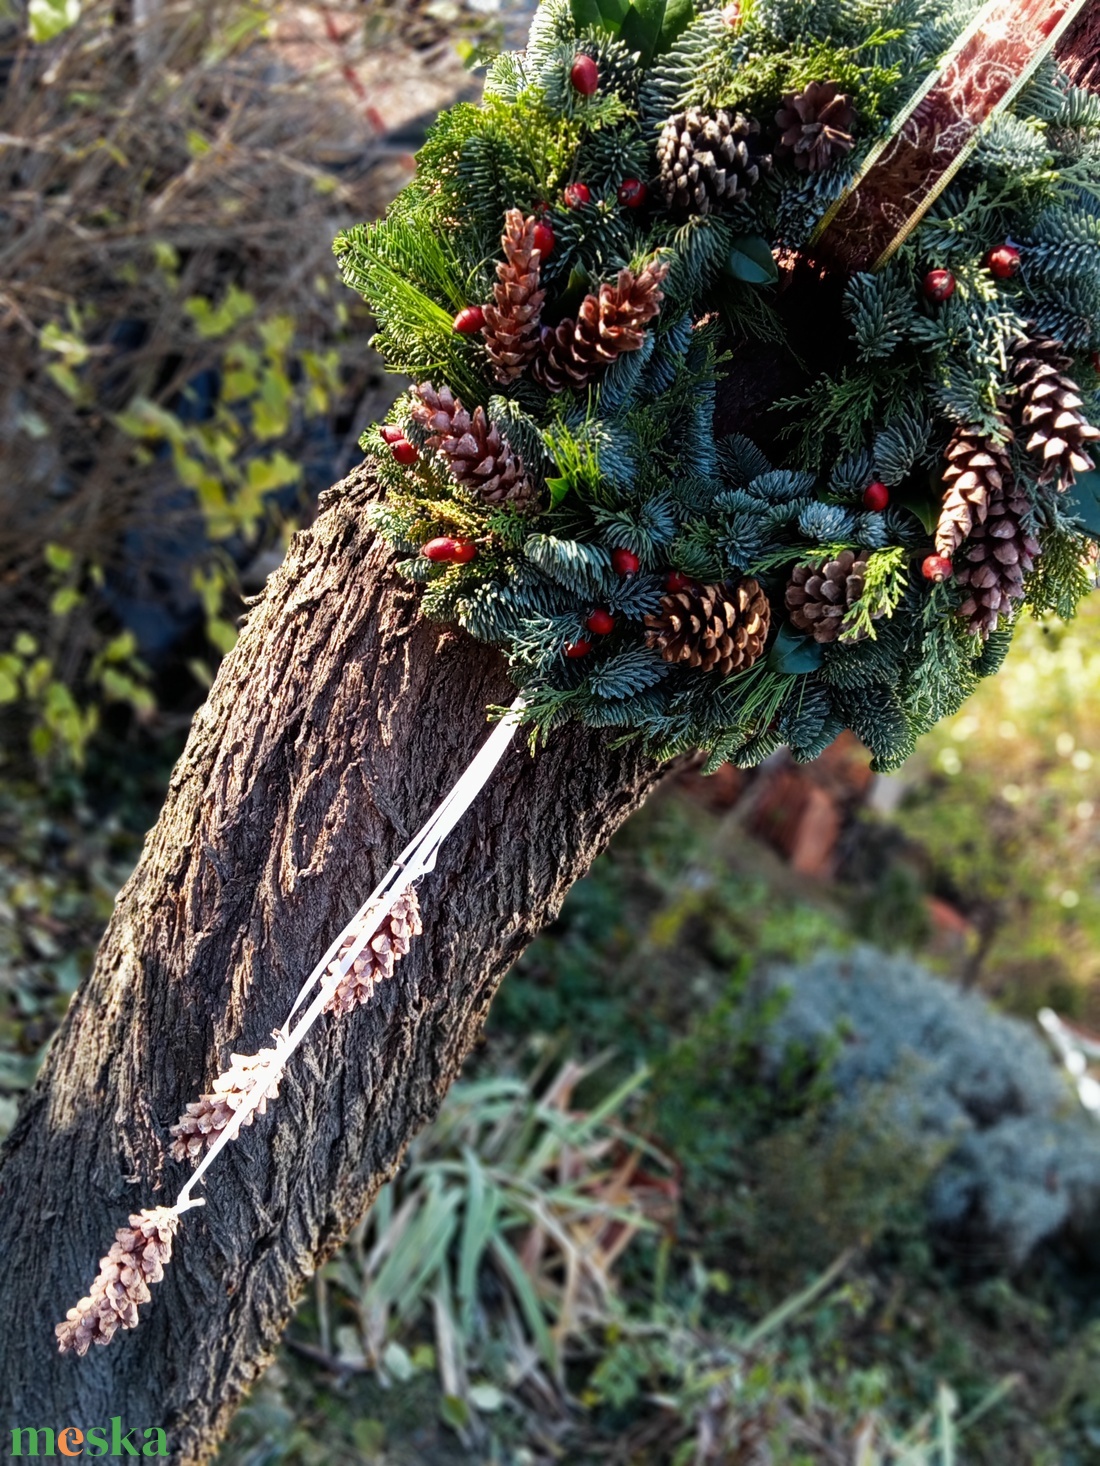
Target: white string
416	860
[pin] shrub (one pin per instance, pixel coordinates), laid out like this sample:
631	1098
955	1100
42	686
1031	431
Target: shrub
1022	1159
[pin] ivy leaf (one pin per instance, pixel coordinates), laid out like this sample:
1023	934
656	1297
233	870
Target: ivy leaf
750	259
792	654
1083	502
605	15
650	26
558	487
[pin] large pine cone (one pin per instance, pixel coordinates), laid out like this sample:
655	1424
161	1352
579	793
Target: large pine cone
815	126
478	454
717	628
511	329
977	468
1049	409
995	559
706	162
819	597
607	324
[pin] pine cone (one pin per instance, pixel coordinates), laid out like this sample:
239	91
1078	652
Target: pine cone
1048	408
375	962
815	126
706	162
136	1260
477	453
511	329
976	468
717	628
995	559
205	1120
607	324
819	597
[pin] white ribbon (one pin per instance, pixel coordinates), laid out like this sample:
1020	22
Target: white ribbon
416	860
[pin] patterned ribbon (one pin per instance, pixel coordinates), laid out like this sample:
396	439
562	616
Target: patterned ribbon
931	139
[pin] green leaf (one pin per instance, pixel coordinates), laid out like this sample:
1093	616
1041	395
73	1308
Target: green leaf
792	653
48	18
486	1397
558	487
750	259
651	26
58	557
1083	502
605	15
925	506
454	1411
65	600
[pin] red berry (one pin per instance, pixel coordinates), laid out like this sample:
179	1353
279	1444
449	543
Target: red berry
404	452
449	551
1095	359
469	320
391	433
579	648
625	562
676	580
584	75
601	622
936	567
543	240
576	194
939	284
1003	261
876	496
632	193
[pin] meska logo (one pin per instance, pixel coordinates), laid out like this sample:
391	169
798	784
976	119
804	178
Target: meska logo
97	1440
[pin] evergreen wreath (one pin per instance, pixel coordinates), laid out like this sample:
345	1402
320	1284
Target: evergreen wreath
586	254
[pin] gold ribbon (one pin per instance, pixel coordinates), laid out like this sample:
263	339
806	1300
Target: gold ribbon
932	138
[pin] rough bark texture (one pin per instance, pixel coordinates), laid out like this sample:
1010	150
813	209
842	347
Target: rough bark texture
333	729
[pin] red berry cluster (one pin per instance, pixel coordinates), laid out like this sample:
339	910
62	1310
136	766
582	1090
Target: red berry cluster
405	452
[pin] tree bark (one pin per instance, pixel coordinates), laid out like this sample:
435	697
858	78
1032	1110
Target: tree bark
333	729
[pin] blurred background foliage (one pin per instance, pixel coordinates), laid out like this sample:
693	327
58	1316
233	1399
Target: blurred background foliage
762	1158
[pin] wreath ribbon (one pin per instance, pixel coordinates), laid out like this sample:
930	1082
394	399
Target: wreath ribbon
932	138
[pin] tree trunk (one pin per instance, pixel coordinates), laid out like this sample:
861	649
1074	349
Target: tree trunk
333	729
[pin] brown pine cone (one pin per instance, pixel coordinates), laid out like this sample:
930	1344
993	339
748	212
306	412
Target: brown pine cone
1048	407
375	962
717	628
819	597
976	468
136	1260
995	559
477	453
208	1116
815	126
706	162
607	324
511	329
